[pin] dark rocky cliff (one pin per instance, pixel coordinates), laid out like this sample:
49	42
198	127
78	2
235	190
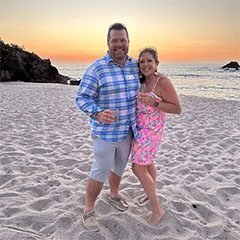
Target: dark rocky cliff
17	64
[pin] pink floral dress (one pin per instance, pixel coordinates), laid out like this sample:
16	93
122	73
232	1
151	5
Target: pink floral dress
151	122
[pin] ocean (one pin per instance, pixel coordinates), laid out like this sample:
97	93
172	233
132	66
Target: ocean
196	79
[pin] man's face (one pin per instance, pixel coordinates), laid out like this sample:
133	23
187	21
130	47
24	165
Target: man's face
118	45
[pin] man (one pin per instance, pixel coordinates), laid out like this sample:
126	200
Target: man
108	94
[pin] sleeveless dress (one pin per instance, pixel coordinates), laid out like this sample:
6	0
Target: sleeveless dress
151	122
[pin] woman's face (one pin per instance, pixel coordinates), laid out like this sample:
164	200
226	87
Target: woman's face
147	64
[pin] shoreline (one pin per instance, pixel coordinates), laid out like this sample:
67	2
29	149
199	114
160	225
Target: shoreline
75	86
46	154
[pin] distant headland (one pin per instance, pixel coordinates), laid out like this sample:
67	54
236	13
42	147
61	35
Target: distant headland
16	64
230	65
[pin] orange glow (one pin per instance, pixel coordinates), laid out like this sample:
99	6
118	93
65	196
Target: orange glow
164	55
76	30
197	55
72	57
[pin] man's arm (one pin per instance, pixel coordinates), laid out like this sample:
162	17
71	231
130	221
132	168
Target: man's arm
86	95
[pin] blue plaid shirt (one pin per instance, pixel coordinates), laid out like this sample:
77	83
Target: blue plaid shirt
105	85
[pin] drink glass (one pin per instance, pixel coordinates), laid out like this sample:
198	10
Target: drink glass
115	113
143	87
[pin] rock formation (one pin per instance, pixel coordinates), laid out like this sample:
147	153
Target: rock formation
74	82
17	64
231	65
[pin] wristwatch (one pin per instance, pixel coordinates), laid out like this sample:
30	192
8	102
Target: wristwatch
156	98
95	116
157	101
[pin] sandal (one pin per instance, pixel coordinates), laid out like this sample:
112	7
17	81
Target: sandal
118	202
141	200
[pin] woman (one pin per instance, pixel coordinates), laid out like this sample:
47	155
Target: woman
158	98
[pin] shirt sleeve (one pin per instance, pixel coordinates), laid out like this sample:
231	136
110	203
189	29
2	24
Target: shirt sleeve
87	94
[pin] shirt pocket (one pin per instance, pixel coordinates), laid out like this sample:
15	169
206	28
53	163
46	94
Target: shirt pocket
133	85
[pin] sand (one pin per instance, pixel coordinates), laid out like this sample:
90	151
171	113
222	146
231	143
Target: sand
46	154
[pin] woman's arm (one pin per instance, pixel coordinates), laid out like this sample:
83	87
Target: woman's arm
171	102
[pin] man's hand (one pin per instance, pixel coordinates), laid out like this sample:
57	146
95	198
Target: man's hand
107	116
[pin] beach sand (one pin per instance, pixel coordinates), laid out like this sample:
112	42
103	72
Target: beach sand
46	154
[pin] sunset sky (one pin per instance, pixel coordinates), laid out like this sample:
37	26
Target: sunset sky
75	30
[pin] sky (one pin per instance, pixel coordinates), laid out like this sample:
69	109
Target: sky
76	30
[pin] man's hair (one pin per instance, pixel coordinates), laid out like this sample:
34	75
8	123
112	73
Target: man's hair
116	26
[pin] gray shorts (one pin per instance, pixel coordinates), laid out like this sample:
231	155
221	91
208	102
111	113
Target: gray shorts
109	157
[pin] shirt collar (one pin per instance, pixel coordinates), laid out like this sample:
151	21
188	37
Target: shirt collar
109	58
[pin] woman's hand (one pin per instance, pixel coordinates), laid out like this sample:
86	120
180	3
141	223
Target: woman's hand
147	98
